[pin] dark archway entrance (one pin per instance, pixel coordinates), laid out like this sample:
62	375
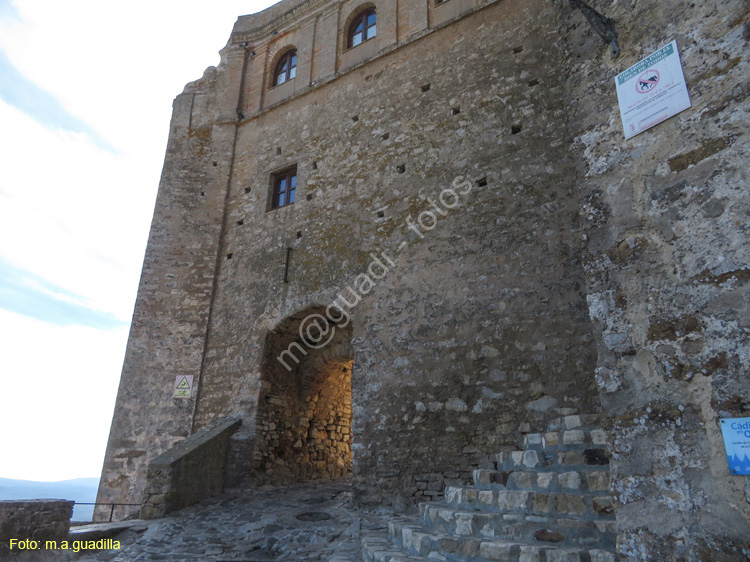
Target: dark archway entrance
304	419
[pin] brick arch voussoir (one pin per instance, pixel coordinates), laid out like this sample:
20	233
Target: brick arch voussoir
275	52
339	350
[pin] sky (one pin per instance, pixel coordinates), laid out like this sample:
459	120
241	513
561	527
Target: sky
86	90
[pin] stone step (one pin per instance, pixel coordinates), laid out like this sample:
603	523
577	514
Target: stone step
380	548
567	440
568	532
553	481
440	546
97	531
561	461
579	421
578	505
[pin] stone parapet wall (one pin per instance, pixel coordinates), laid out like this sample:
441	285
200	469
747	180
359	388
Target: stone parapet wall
190	471
36	520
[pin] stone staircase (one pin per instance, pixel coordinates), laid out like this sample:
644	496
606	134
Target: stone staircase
549	502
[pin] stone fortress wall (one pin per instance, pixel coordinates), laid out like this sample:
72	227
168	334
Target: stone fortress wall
575	270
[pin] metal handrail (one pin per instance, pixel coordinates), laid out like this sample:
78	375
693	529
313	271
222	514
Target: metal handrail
111	511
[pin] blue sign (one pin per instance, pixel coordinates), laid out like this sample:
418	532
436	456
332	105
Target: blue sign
736	432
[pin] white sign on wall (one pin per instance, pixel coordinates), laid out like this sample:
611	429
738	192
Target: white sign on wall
183	386
736	432
652	90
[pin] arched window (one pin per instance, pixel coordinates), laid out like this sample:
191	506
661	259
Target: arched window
362	28
286	68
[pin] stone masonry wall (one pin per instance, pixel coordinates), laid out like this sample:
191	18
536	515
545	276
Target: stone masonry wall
534	259
328	419
482	323
37	520
192	470
667	257
303	422
168	331
311	437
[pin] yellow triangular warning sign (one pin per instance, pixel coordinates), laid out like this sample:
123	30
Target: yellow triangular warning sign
184	383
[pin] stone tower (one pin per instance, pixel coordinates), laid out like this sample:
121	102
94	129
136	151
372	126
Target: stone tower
390	233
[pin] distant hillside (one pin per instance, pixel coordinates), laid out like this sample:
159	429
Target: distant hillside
78	490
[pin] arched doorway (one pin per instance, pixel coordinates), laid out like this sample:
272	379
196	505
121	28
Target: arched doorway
304	419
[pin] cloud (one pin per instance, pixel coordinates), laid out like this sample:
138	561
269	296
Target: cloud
30	295
58	390
8	10
86	90
18	91
71	213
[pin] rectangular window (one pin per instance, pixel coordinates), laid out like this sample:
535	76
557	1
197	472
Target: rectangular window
284	186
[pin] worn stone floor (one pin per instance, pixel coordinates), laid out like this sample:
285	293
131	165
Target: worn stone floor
303	523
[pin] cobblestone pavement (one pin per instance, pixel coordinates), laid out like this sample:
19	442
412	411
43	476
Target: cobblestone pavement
307	522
